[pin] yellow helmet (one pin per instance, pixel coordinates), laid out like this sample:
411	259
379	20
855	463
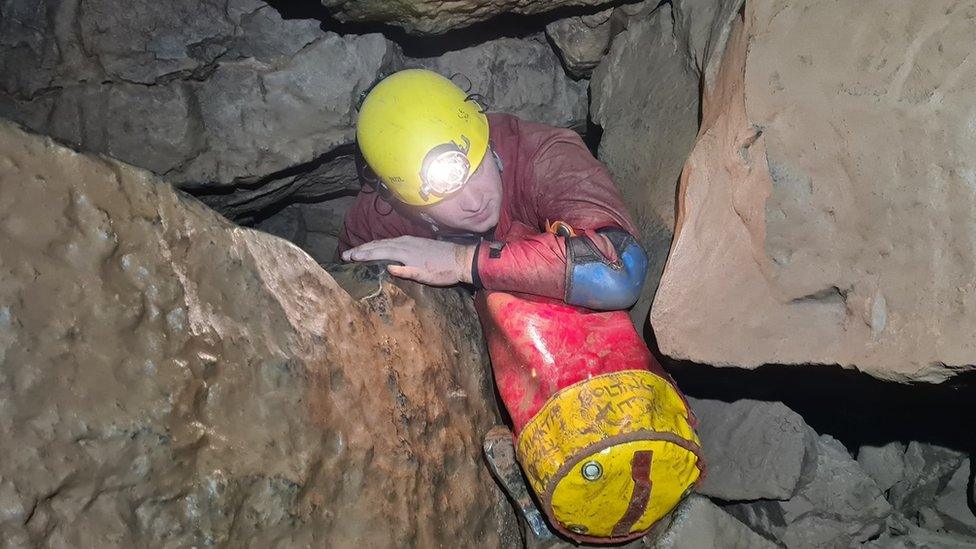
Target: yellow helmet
421	135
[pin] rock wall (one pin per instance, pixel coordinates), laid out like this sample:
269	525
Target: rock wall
227	99
204	93
645	96
170	379
825	213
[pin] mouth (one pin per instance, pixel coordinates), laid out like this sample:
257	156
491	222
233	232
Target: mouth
481	214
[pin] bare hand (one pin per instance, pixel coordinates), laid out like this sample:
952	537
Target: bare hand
424	260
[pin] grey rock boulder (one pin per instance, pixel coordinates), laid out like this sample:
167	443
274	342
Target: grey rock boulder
700	524
956	502
645	94
582	40
928	468
836	504
207	93
753	450
885	464
517	76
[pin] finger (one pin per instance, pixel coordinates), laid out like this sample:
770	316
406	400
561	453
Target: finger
411	273
376	253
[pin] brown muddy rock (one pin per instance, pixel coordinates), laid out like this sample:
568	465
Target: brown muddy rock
825	213
170	379
437	16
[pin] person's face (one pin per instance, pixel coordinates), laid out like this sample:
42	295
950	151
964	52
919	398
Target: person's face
476	206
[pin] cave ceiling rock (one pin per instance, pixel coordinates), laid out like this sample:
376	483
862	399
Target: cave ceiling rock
825	213
437	17
170	379
645	96
583	40
329	177
229	100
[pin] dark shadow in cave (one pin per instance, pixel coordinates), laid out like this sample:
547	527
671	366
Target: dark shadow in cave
849	405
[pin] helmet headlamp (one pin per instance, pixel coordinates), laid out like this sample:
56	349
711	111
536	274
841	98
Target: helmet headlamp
445	170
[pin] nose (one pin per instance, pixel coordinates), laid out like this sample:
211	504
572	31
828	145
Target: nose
470	201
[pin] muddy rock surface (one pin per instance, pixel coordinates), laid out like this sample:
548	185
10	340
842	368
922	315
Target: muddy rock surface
170	379
798	238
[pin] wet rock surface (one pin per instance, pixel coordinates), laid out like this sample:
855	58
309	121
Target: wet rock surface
170	379
814	244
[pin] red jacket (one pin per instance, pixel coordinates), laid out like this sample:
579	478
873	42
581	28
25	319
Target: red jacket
548	175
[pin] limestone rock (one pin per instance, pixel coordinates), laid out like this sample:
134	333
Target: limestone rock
927	471
335	176
836	504
582	40
753	450
919	538
645	96
701	524
954	503
206	93
885	464
517	76
799	239
170	379
436	16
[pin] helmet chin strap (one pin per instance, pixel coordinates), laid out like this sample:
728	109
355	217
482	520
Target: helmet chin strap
430	221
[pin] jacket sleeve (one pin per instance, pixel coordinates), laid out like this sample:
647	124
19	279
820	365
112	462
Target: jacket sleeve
370	218
602	267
